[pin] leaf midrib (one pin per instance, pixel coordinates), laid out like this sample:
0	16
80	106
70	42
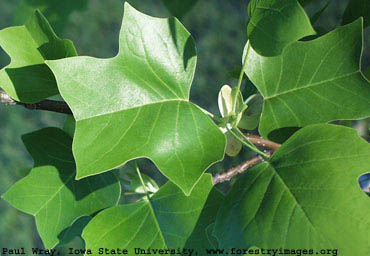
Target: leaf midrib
276	173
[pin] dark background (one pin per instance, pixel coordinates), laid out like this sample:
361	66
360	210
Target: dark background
219	29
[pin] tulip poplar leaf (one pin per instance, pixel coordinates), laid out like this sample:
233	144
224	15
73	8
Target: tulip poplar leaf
27	78
306	196
274	24
50	192
137	103
165	221
312	82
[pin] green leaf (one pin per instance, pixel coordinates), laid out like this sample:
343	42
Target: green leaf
50	192
251	116
69	125
201	238
136	186
27	78
233	146
308	196
56	11
136	104
179	8
274	24
166	221
312	82
316	16
75	230
305	2
356	9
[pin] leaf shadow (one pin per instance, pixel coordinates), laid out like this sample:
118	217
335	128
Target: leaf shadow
189	47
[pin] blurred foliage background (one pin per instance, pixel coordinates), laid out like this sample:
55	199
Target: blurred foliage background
219	29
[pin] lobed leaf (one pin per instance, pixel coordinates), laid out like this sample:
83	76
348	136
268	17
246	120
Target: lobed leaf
307	196
274	24
27	78
202	238
49	191
136	104
312	82
165	221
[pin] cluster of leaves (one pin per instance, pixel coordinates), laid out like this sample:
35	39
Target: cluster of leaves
137	105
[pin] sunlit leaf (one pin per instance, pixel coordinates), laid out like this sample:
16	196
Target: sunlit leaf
136	104
307	196
27	78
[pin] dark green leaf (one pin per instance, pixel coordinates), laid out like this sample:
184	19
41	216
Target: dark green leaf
50	192
179	8
274	24
27	78
312	82
201	238
166	221
356	9
308	196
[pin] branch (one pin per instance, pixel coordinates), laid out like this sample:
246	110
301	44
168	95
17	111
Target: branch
261	142
48	105
233	171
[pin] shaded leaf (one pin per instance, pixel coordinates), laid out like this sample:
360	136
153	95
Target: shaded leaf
27	78
179	8
356	9
306	197
201	238
136	104
75	230
233	146
69	125
312	82
316	16
49	191
274	24
251	116
56	11
165	221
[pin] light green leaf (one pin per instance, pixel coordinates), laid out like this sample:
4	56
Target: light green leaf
27	78
136	186
308	196
165	221
233	146
201	238
312	82
356	9
136	104
274	24
50	192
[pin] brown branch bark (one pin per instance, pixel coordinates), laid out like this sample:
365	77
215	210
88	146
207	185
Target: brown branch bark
261	142
233	171
47	105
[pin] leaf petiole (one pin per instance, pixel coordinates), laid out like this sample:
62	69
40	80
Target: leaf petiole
241	77
244	140
141	180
